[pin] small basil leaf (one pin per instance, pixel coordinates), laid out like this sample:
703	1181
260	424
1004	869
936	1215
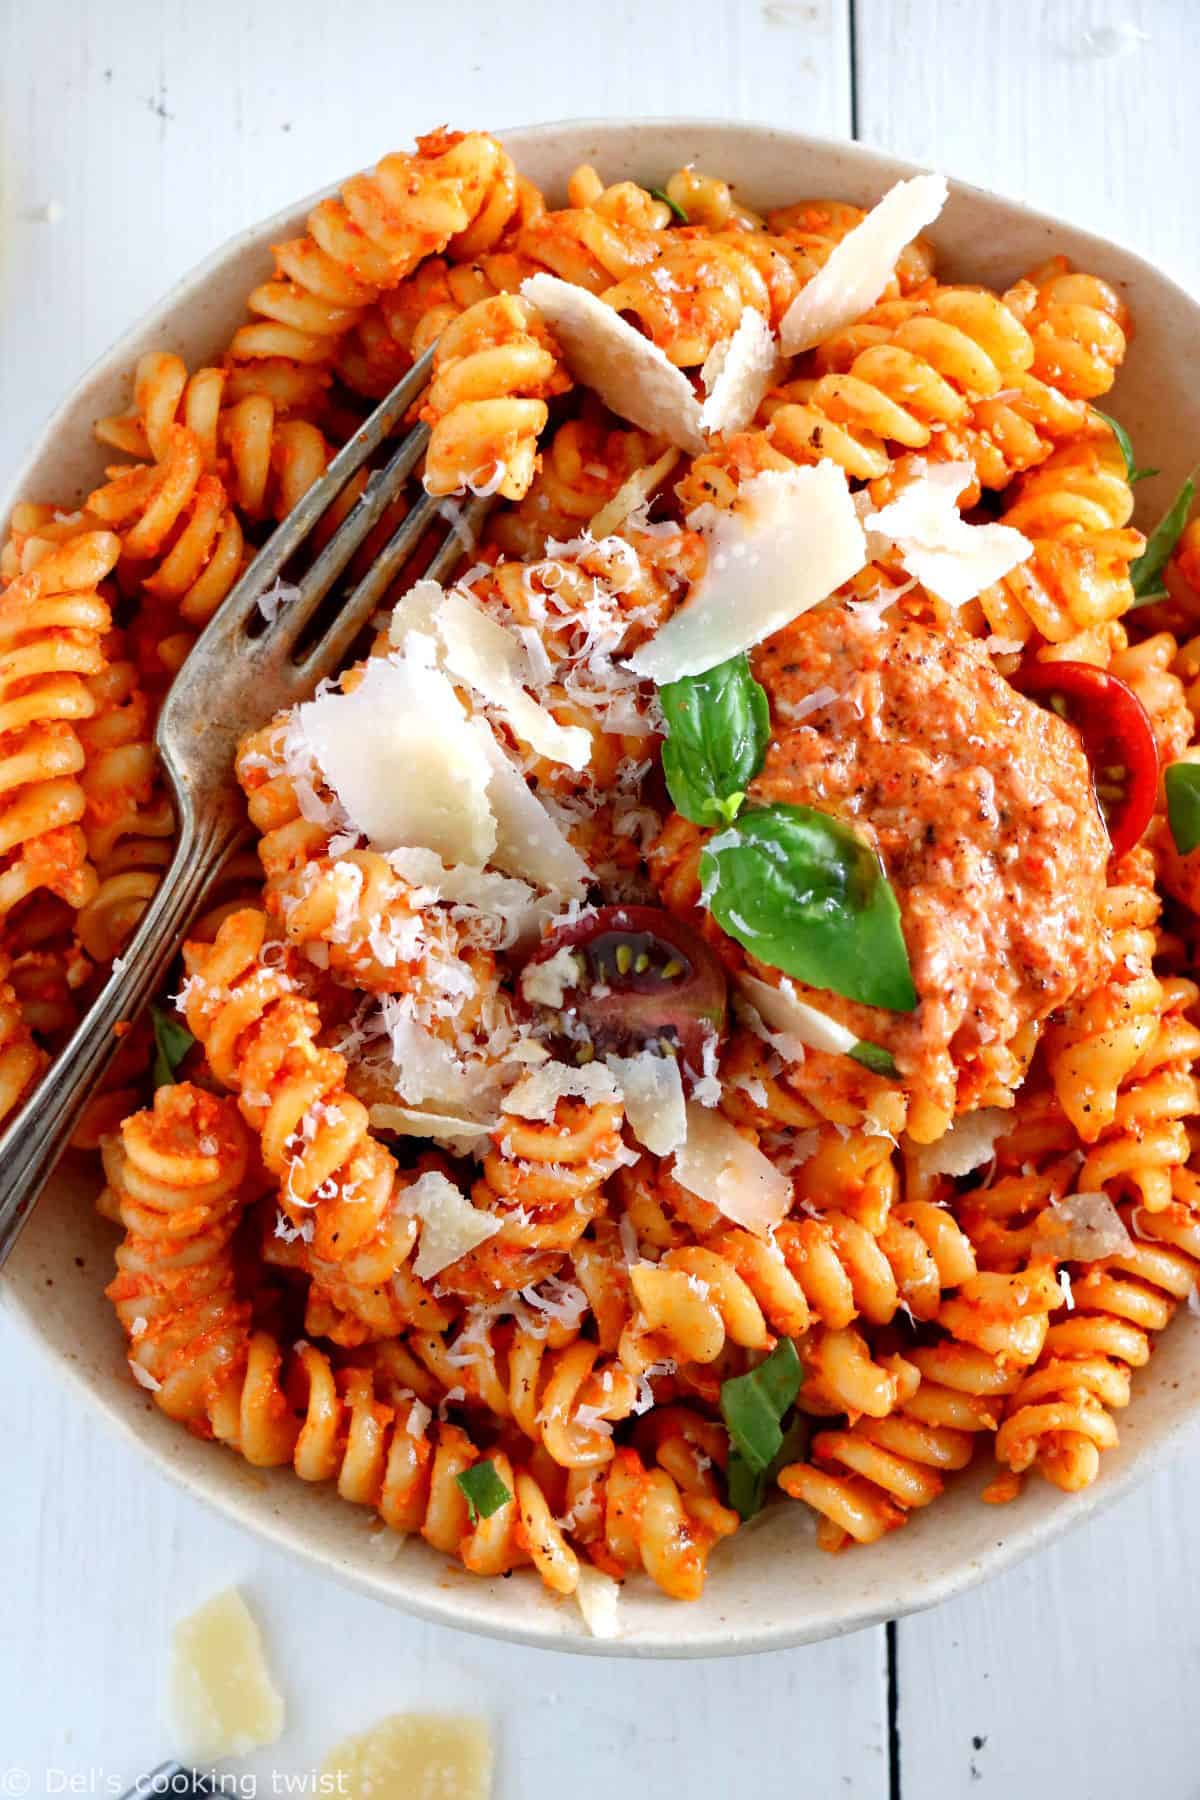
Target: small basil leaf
752	1405
1182	782
172	1041
875	1057
484	1490
1124	444
803	893
717	725
747	1489
1146	572
662	194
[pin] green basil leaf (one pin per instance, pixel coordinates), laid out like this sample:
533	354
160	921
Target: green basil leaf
752	1406
662	194
1182	782
803	893
485	1491
1146	572
717	725
1125	446
875	1057
172	1041
746	1488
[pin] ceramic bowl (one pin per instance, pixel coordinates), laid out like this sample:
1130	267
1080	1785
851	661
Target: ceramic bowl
770	1587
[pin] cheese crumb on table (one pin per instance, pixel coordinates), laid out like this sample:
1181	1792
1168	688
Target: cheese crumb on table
222	1698
414	1756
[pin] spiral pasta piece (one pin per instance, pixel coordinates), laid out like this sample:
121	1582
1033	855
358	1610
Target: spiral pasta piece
545	1182
665	1518
1121	1062
21	1061
456	194
265	460
863	1480
693	294
1059	1420
904	373
564	1395
1077	323
52	625
181	546
339	1187
583	465
1075	509
494	367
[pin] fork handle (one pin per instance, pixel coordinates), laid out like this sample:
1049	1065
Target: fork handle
32	1143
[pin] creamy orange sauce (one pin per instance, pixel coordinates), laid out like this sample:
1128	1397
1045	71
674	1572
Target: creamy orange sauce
980	805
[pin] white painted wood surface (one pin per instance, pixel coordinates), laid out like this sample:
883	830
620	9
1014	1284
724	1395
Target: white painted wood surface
157	130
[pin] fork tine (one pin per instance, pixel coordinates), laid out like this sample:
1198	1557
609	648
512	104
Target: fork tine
382	488
240	604
361	603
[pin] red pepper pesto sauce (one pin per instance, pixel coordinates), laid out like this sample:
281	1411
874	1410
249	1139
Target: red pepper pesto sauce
980	805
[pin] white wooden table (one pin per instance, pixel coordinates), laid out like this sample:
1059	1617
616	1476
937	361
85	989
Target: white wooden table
137	137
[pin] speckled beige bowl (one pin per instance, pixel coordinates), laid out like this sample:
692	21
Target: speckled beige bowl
770	1587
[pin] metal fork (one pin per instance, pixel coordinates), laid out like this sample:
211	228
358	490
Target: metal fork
231	683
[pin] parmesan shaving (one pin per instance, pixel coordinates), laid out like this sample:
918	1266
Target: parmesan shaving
861	265
546	983
792	538
450	1225
412	1756
464	1136
1082	1228
406	765
489	659
528	842
968	1144
652	1089
631	495
737	373
950	558
223	1699
721	1166
605	353
597	1596
780	1008
537	1095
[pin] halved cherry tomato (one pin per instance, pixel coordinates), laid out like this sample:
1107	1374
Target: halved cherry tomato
1118	740
642	977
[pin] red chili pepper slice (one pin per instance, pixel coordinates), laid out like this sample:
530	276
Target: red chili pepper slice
641	977
1118	740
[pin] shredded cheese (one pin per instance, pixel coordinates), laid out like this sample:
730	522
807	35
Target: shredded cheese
632	494
968	1144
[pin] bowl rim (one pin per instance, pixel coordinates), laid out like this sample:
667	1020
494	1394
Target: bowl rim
426	1599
